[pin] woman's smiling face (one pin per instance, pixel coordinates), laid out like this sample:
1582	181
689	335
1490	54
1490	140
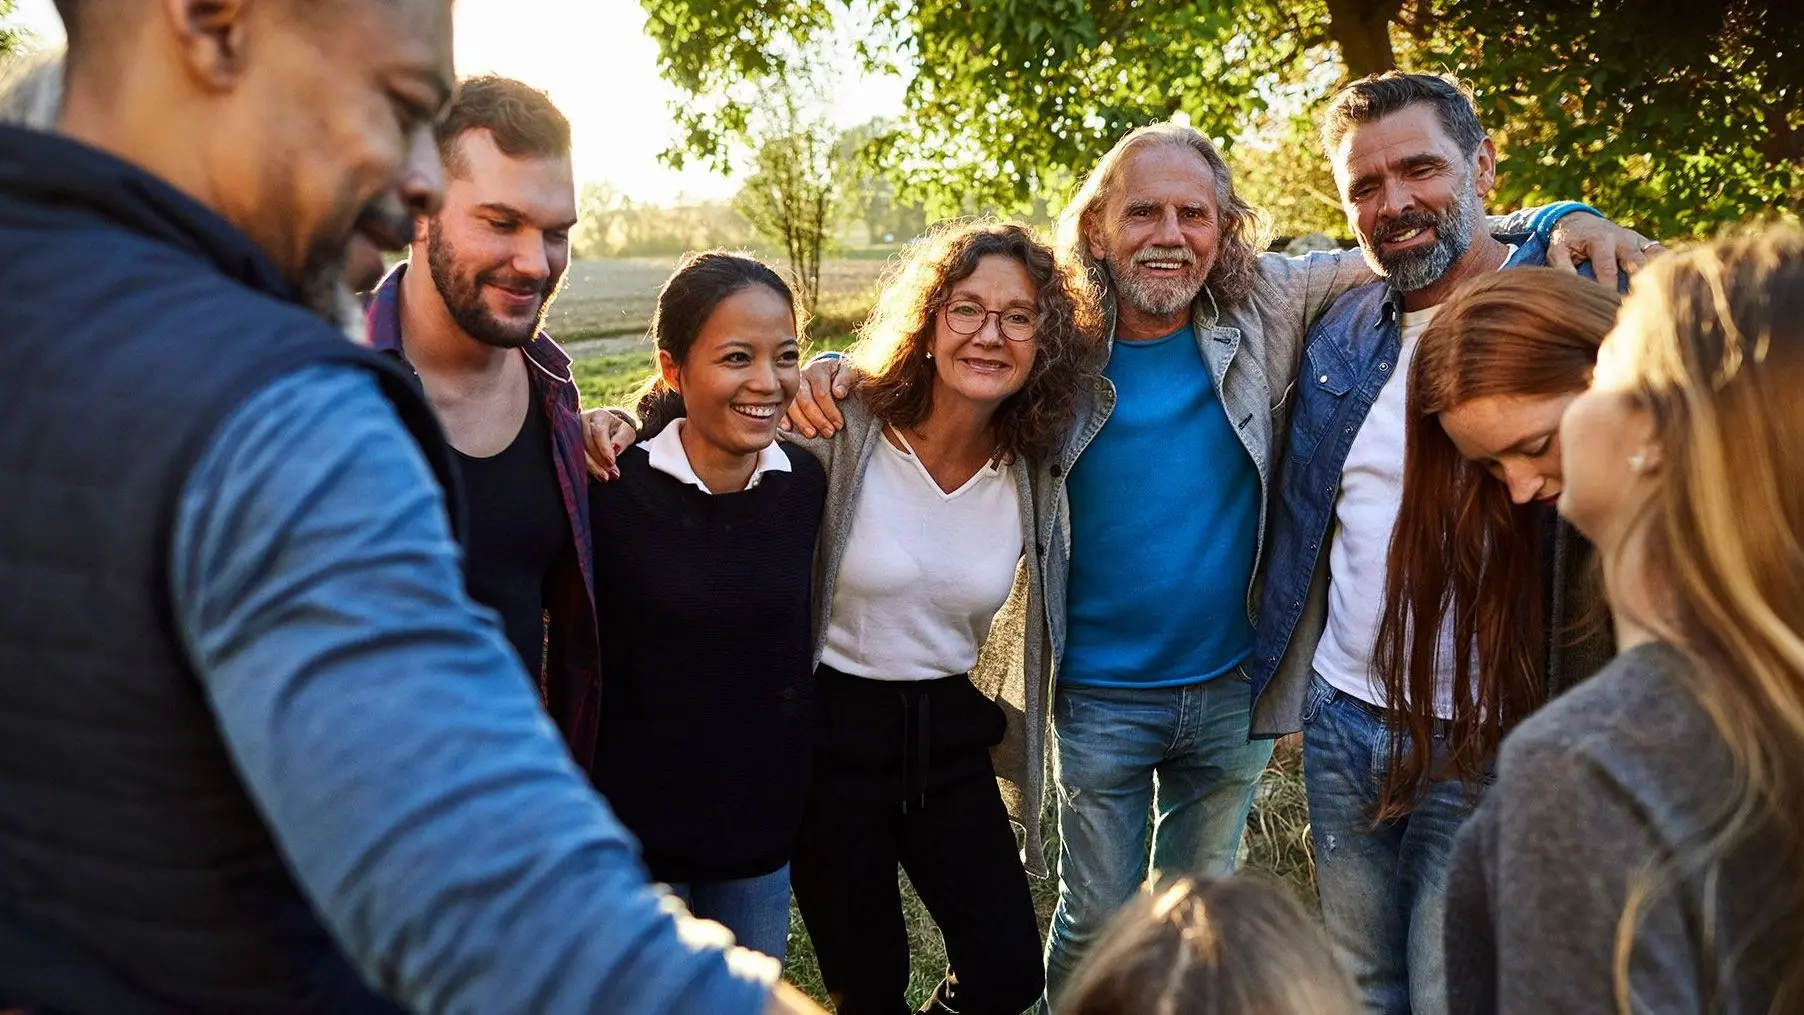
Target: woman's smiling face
986	367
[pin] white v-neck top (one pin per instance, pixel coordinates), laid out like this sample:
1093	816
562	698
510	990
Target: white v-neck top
924	571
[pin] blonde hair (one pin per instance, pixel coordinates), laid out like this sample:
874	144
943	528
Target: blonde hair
1711	345
1233	946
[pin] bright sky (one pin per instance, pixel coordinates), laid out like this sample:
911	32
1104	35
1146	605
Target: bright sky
594	59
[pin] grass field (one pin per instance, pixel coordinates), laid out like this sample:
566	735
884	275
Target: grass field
606	304
603	299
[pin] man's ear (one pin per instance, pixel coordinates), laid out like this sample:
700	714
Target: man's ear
211	37
1099	251
1484	176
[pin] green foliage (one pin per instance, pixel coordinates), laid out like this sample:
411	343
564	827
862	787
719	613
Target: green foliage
1289	181
12	40
868	197
791	198
1676	115
1673	114
724	53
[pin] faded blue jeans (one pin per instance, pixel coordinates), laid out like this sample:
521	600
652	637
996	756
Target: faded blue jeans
1172	760
1384	888
756	909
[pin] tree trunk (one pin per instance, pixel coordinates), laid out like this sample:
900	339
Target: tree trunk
1362	30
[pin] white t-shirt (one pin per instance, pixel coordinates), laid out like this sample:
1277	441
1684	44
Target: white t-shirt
1371	493
924	571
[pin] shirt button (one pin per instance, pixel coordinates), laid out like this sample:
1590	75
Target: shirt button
1384	367
1056	472
1324	379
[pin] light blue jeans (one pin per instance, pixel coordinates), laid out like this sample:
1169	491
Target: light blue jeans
1383	888
756	909
1172	760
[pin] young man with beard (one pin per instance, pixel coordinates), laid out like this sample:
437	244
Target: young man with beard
261	752
1164	485
467	314
1413	166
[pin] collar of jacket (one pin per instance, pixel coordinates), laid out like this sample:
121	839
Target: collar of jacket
49	169
1387	311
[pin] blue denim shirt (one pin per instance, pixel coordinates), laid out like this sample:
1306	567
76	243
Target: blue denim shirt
1347	358
392	741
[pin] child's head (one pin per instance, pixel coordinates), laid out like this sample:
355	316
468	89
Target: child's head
1235	946
725	331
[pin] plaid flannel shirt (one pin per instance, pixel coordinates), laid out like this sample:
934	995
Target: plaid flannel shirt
569	681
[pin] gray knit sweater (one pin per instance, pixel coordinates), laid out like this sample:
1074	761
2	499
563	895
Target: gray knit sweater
1609	778
1012	668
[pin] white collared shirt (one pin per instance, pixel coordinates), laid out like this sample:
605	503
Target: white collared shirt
669	457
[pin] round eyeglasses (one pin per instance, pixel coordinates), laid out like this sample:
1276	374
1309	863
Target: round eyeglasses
967	317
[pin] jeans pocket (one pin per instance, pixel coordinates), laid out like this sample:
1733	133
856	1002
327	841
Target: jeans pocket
1320	694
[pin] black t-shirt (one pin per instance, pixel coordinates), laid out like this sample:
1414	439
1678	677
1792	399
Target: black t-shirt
518	530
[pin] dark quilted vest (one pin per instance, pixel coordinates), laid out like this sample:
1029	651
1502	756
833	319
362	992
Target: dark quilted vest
135	873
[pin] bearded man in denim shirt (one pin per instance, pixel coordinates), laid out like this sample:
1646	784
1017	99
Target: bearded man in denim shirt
1413	165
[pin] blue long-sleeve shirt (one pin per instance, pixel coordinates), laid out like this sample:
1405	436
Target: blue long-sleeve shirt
393	744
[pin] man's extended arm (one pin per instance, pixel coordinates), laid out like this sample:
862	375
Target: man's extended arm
393	743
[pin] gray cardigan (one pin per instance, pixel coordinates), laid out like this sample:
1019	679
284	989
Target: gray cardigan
1625	770
1012	667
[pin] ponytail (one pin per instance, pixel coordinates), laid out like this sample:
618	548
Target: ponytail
658	405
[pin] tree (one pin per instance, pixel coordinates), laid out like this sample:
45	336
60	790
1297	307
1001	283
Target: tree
790	197
1676	114
869	197
1007	98
599	211
12	40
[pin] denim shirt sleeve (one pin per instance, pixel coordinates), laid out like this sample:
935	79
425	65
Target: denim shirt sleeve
1538	222
393	744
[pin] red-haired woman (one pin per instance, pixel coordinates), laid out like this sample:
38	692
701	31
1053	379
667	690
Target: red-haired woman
1490	603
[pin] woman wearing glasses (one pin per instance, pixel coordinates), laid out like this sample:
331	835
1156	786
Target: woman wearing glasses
972	362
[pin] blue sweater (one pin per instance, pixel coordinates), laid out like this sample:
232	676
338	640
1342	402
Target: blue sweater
1160	566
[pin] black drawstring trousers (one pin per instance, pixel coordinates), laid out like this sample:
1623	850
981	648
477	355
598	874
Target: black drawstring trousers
902	777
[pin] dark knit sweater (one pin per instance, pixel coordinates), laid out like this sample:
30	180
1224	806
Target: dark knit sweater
707	704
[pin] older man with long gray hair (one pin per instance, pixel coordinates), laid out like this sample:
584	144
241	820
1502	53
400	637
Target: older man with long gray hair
1167	475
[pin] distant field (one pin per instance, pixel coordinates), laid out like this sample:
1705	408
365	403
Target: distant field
603	299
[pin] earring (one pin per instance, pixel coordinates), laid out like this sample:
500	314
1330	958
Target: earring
930	354
1638	461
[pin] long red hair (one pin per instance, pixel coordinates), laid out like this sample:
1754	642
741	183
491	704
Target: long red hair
1462	554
